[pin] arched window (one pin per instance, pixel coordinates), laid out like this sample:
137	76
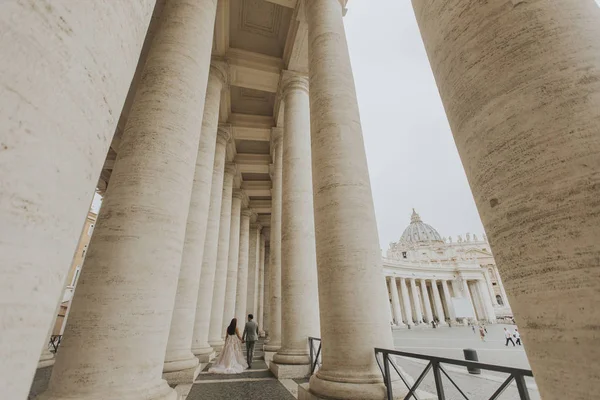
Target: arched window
499	300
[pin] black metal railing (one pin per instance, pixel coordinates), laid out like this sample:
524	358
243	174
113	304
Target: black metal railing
314	345
55	342
435	364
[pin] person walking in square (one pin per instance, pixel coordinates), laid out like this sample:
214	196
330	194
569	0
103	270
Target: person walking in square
508	337
517	336
482	333
250	336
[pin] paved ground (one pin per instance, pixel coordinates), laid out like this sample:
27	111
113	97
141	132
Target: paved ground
449	342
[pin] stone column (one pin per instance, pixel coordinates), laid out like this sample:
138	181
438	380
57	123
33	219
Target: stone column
486	301
181	365
448	298
490	287
200	346
426	302
241	293
397	314
532	164
266	284
134	258
300	301
233	258
439	308
467	294
501	285
351	291
217	328
416	302
275	267
57	121
406	302
253	270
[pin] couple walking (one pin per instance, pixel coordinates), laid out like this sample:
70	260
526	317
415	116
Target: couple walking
231	359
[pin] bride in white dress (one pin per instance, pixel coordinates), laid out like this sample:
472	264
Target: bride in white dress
231	360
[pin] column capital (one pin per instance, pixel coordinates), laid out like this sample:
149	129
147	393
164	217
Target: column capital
224	134
237	194
292	81
230	169
220	70
276	136
255	225
247	213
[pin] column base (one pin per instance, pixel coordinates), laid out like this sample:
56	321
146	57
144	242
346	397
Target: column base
159	391
271	347
217	346
269	357
181	372
204	354
289	371
45	363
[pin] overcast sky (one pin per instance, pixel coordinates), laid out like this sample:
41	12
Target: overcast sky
412	157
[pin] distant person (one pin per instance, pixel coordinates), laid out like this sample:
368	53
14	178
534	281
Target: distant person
508	337
250	337
517	336
472	327
484	327
482	333
231	359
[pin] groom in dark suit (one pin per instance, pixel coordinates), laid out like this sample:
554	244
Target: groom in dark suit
250	336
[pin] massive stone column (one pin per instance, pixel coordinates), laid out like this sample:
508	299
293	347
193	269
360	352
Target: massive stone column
57	117
439	308
263	291
416	301
467	294
241	292
489	287
406	302
351	291
217	328
254	250
233	258
426	302
501	285
299	289
275	262
486	300
448	299
131	269
200	346
529	145
397	314
181	365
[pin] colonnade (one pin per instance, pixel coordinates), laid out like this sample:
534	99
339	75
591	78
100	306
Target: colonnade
177	250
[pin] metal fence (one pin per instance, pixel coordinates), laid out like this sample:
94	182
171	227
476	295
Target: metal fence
434	364
314	345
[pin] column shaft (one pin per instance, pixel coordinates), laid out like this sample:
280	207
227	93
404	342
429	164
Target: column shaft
253	271
241	294
275	267
439	308
45	196
490	287
233	259
406	302
300	296
266	290
217	329
180	362
200	346
486	300
467	294
395	301
448	298
427	303
416	301
502	291
132	265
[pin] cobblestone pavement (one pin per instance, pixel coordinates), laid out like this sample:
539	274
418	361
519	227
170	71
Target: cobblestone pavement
450	342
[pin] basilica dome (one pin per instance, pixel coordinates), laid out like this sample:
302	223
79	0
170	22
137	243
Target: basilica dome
418	231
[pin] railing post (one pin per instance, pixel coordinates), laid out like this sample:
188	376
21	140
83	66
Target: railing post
312	353
387	378
439	385
522	387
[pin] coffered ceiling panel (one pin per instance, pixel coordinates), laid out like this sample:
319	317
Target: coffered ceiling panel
251	101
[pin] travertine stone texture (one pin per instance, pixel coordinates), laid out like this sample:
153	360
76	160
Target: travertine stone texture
241	292
448	300
130	277
275	267
416	301
233	257
520	82
351	291
299	288
263	311
253	270
397	314
406	302
179	357
437	302
200	346
51	106
426	302
217	329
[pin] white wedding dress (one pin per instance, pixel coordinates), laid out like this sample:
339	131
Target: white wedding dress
231	360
